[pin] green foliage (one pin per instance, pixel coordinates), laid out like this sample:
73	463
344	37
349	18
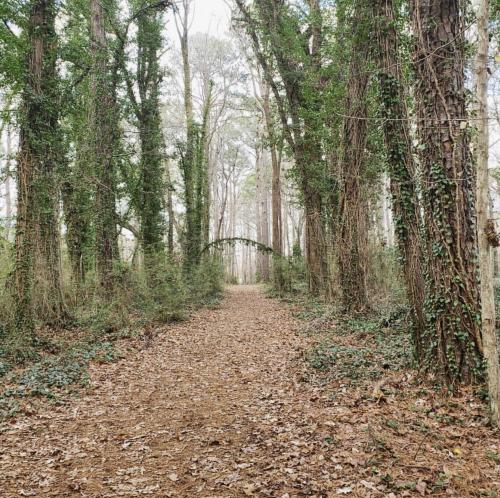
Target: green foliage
362	348
385	281
59	362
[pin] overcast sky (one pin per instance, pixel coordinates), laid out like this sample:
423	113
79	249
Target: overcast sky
209	16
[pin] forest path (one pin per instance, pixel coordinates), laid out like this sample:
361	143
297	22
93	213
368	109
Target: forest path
211	408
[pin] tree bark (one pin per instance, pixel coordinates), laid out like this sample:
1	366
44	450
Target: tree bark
38	257
401	166
8	184
485	224
103	129
453	343
149	43
352	226
276	171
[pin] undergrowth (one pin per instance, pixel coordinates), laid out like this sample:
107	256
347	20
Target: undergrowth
352	348
355	349
61	356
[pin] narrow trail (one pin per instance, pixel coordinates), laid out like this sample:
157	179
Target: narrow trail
217	407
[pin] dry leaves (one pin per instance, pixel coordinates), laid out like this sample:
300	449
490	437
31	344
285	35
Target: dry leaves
218	406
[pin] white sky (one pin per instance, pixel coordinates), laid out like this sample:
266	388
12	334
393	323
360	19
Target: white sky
208	16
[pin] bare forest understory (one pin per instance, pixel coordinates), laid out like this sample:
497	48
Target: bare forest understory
228	404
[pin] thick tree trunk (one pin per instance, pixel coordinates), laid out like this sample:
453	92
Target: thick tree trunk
276	172
315	244
76	201
38	257
149	43
262	212
8	184
170	210
485	224
190	162
352	226
453	344
401	166
103	129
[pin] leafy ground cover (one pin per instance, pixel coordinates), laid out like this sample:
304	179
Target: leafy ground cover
255	398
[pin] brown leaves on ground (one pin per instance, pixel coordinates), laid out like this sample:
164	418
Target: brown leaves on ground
218	406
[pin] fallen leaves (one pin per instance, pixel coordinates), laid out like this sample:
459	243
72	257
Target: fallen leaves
223	405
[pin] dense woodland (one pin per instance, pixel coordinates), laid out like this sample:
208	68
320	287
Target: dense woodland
335	149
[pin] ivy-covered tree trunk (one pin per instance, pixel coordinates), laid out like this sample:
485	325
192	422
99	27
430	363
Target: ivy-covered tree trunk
188	161
193	161
103	130
352	223
170	210
277	242
76	196
77	190
151	186
38	257
401	164
453	343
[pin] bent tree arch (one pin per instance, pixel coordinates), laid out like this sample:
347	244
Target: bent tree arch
232	241
281	283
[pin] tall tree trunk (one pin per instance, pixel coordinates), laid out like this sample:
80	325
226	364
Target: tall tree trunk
77	197
276	171
170	210
38	258
401	165
485	224
189	161
261	208
352	226
149	43
453	344
8	184
103	129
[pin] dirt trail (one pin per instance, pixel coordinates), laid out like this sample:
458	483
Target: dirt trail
215	407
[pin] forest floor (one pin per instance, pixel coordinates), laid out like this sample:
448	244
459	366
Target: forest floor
226	404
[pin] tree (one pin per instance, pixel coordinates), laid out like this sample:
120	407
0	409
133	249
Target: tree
400	162
37	259
151	186
453	344
103	141
296	55
485	224
274	149
352	225
192	153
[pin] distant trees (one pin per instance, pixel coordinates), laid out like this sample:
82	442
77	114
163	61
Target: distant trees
296	57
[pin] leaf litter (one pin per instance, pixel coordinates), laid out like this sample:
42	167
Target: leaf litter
225	405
